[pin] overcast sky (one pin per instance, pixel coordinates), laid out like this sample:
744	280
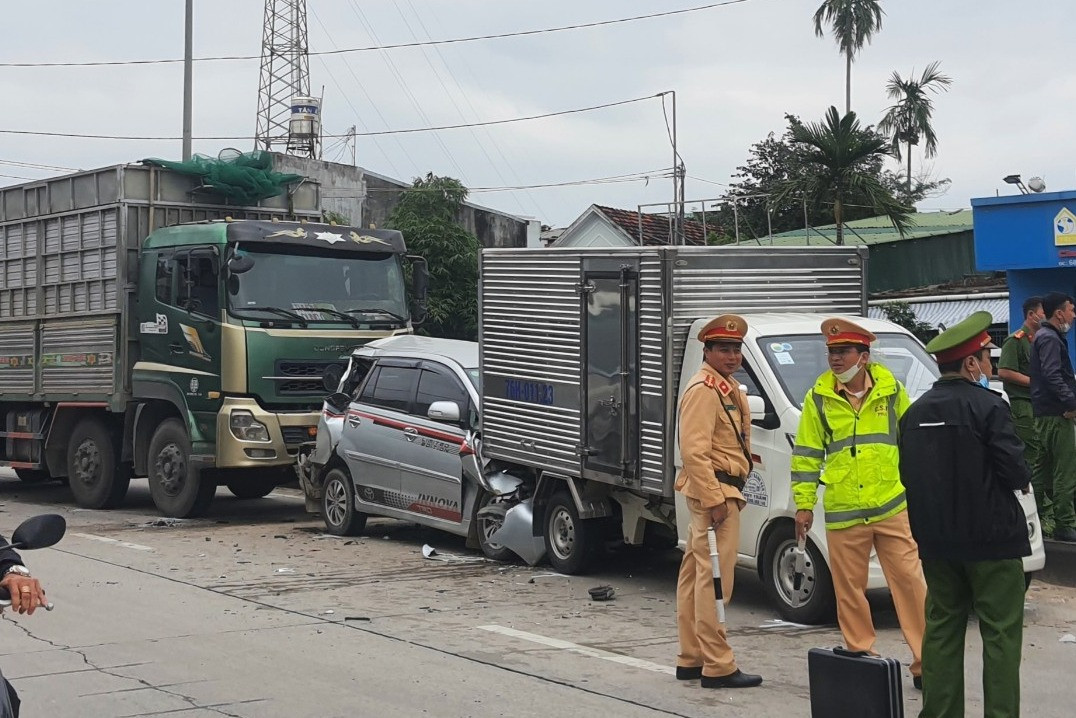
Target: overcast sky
736	70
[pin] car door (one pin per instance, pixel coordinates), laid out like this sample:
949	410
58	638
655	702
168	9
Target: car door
373	437
770	460
430	467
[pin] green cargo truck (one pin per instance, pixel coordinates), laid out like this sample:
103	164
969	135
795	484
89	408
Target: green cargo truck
147	332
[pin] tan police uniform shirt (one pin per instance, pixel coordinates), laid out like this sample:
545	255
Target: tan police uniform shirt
708	439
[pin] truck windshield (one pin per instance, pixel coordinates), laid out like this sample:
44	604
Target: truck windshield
321	288
799	360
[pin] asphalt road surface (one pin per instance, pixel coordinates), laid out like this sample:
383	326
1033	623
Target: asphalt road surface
253	611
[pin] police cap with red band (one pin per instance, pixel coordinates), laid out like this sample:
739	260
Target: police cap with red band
838	330
962	339
726	328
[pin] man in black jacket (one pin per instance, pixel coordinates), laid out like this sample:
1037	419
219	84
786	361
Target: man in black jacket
26	596
961	462
1053	400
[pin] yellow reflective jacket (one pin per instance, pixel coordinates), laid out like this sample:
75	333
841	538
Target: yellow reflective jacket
858	449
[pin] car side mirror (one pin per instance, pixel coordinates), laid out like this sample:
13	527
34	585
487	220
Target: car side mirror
444	411
338	401
760	416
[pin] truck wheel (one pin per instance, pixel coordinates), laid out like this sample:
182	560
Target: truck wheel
818	604
96	481
486	526
32	476
571	543
338	505
175	492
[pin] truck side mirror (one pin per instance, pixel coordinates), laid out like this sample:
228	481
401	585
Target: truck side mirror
420	288
239	265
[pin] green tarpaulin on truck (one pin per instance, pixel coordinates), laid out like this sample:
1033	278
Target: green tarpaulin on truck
244	179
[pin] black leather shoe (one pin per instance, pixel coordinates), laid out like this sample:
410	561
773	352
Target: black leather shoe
688	673
917	681
739	679
1065	534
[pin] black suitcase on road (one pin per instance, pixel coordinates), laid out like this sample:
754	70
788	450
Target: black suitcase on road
847	684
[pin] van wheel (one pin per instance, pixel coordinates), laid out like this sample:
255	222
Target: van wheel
571	543
818	603
177	492
95	479
32	476
338	505
487	526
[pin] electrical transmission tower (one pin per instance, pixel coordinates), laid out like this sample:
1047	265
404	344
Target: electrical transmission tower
289	119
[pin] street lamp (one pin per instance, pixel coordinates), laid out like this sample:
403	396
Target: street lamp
1015	179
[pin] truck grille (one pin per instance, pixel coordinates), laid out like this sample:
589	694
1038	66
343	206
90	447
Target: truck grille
302	377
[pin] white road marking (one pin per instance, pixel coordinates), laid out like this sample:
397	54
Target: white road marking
106	539
582	650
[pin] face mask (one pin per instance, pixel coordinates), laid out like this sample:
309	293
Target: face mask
849	374
983	380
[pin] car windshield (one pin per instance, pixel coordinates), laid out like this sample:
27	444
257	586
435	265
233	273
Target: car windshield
368	287
799	360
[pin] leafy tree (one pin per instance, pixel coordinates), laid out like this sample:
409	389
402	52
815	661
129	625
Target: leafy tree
900	313
426	214
853	23
841	169
909	120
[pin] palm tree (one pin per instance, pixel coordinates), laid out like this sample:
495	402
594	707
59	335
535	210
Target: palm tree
853	23
841	162
908	121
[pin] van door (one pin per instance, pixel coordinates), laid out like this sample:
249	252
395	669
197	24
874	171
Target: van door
771	455
610	300
373	437
431	470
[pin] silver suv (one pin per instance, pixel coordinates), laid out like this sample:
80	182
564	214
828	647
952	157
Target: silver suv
389	440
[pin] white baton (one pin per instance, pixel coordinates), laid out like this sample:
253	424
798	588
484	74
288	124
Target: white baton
711	538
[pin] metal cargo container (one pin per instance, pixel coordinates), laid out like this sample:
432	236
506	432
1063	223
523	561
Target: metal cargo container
581	349
69	263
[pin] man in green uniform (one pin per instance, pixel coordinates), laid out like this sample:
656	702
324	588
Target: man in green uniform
1015	374
961	463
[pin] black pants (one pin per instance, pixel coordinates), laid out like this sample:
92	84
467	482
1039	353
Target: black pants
9	700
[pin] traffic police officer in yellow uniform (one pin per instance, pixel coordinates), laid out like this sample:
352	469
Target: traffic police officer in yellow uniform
715	448
849	426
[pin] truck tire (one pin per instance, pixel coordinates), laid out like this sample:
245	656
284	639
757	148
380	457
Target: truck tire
818	603
486	526
96	481
571	543
32	476
175	492
338	505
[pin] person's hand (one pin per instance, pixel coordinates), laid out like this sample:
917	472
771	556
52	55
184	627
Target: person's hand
1070	414
804	521
26	592
718	514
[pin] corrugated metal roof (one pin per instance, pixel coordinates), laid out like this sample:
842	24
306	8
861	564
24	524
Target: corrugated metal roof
878	230
947	313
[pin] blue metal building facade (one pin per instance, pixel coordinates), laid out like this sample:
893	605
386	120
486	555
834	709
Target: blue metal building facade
1033	238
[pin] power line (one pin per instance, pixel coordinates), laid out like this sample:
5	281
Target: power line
664	172
370	133
36	166
396	46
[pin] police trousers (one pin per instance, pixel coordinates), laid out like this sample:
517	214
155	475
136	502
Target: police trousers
994	591
703	641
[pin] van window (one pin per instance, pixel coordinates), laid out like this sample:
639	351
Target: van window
439	386
392	387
